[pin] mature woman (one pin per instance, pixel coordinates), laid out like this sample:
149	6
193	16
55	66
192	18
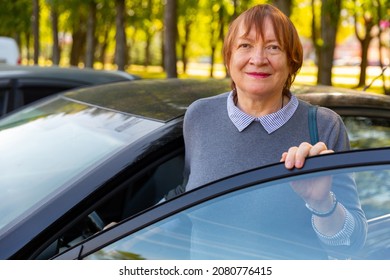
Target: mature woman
260	122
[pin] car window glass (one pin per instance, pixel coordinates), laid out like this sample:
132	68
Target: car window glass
10	97
3	101
234	226
368	132
56	143
129	198
374	191
31	94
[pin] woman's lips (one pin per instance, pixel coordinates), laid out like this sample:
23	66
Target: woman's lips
258	74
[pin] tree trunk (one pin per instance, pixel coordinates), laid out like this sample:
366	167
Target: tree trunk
28	37
187	30
120	37
36	30
78	41
147	50
284	6
330	15
56	45
162	50
386	90
315	35
170	32
212	62
364	44
90	44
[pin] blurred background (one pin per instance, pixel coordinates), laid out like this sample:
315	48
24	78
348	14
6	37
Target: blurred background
346	42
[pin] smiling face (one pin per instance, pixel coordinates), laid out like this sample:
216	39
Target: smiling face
258	63
261	25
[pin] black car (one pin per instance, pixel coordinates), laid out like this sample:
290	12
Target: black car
73	163
21	85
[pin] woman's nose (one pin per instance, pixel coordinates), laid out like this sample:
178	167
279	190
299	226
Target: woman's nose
258	56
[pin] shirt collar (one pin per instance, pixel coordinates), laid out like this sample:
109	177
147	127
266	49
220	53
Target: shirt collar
270	122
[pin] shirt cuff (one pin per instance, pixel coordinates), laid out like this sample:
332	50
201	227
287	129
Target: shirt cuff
343	237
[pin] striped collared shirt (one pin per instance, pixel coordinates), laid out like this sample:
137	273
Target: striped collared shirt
270	122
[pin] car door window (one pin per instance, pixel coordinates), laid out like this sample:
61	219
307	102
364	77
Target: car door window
368	132
235	226
135	194
33	93
10	96
4	95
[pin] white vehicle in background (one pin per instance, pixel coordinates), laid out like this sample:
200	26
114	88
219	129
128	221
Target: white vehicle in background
9	51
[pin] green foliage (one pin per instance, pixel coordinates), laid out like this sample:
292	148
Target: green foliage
15	17
201	25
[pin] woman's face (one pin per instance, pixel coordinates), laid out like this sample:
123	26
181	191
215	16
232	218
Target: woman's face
258	66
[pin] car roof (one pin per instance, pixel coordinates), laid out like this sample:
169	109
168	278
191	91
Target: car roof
342	97
167	99
75	74
161	100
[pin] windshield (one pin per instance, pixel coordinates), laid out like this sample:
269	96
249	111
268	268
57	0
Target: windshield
46	146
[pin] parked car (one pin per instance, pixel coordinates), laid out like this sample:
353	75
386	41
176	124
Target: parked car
74	162
9	51
21	85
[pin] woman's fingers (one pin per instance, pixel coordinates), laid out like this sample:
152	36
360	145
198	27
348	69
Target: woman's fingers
296	156
317	149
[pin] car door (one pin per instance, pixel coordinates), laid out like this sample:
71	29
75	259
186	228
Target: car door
221	221
17	92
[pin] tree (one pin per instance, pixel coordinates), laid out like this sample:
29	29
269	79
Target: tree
146	22
324	37
78	28
284	5
187	15
54	17
217	29
120	37
383	24
90	40
170	33
105	20
364	23
18	27
36	15
367	17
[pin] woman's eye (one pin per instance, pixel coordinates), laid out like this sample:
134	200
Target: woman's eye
273	49
244	46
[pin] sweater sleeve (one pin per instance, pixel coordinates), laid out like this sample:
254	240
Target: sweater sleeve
189	129
332	130
353	235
